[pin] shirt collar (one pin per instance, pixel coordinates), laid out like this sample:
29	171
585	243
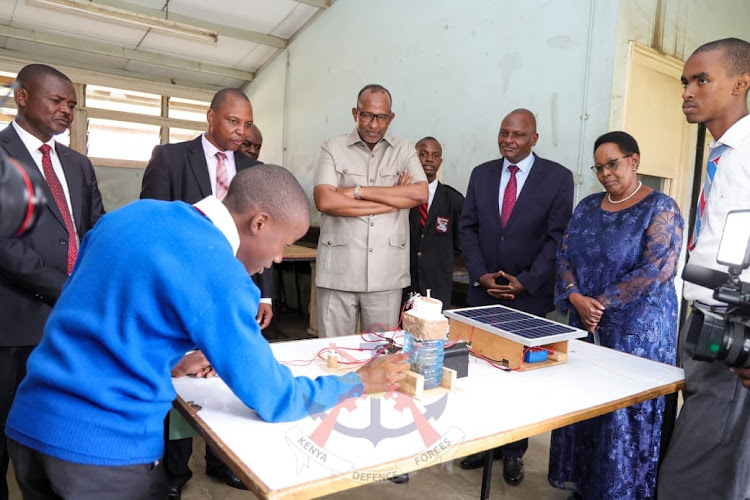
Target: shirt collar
523	165
211	150
219	215
432	186
736	134
31	142
354	138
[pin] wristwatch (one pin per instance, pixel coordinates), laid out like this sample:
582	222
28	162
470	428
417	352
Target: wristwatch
356	193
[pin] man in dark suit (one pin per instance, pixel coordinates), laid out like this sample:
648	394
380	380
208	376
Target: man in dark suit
251	147
517	208
189	171
34	267
433	228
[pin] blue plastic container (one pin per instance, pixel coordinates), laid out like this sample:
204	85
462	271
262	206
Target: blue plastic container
425	358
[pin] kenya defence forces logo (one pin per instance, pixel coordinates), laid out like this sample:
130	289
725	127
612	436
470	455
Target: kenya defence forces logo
312	447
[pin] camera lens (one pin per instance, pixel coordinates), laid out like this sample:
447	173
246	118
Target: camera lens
21	197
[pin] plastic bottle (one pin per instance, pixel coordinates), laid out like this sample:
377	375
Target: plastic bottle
425	358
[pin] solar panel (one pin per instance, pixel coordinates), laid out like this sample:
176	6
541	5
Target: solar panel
520	327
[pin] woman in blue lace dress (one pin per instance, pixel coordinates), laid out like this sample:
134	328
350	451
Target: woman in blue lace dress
616	266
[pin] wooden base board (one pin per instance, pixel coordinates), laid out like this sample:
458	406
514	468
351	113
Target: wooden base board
504	351
413	384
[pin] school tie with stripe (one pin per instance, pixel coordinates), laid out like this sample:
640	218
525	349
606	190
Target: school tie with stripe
422	214
713	164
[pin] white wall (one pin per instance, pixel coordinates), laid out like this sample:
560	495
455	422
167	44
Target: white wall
456	68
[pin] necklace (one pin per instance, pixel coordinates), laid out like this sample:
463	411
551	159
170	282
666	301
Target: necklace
609	196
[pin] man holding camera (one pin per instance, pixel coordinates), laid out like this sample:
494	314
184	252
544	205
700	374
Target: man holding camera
709	454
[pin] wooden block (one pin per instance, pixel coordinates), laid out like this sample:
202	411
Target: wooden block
413	385
449	378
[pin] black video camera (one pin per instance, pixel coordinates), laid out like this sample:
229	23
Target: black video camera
21	196
713	334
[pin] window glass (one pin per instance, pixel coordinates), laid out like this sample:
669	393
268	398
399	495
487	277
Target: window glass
188	109
123	100
121	140
183	134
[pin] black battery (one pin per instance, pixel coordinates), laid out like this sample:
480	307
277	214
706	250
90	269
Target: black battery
456	357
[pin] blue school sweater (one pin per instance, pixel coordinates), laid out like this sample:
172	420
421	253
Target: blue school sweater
153	280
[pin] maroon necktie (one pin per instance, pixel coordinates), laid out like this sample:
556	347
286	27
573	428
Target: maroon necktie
59	195
509	197
422	214
222	176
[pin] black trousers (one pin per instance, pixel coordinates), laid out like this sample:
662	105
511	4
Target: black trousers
43	477
515	449
12	371
178	456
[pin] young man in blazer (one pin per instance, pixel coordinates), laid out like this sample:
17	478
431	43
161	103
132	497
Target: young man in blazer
433	228
189	171
34	267
517	208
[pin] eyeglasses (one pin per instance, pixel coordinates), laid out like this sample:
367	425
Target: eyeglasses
610	165
368	117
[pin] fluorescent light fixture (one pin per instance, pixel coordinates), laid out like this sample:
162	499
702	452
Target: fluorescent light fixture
129	17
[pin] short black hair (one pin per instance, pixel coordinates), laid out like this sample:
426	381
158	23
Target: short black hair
626	142
429	138
221	97
269	188
374	87
736	53
32	73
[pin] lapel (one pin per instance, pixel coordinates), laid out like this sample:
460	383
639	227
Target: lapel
494	185
15	147
197	160
74	180
532	183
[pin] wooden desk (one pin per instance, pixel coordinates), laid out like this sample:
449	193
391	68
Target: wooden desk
300	253
372	438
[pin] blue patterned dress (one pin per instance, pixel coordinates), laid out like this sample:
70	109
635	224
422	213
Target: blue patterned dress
627	260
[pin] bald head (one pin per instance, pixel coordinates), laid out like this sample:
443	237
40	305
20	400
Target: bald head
220	98
517	135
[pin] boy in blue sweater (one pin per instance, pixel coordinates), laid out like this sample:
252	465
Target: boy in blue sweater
153	280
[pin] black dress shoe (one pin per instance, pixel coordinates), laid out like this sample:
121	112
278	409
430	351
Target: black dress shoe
228	477
476	460
513	470
401	478
174	493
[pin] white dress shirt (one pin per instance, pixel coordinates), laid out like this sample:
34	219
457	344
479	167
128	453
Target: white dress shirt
730	190
432	187
211	160
524	167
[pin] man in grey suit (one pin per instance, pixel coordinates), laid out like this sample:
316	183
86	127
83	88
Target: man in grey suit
365	184
34	267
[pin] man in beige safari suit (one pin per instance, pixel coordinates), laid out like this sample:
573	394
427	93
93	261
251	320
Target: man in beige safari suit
365	184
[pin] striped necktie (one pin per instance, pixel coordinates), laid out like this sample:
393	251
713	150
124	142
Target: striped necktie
713	163
509	197
422	214
222	176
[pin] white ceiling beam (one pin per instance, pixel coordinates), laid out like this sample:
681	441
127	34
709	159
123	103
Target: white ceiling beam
13	61
107	49
222	29
321	4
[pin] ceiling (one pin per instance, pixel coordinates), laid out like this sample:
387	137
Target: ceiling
194	43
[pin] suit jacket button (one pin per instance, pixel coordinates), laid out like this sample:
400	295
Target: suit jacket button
502	238
419	254
63	241
422	236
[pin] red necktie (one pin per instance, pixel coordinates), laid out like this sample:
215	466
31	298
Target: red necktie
59	195
222	177
509	197
422	214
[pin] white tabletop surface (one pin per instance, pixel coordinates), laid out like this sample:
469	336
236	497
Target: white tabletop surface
370	438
